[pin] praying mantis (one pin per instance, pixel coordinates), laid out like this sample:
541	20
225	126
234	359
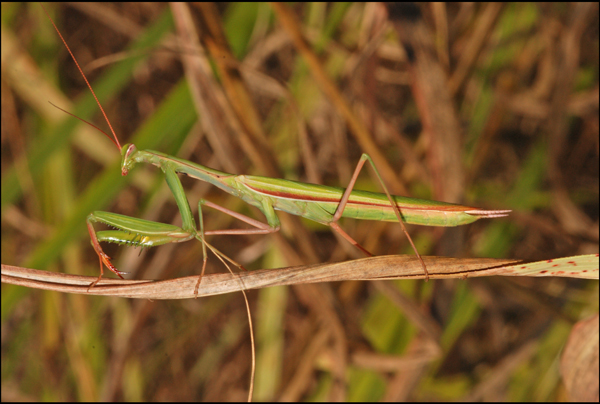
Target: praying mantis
319	203
118	203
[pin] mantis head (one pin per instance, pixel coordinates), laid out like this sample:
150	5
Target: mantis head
128	153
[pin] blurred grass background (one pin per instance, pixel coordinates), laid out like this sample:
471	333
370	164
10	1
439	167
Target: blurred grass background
523	80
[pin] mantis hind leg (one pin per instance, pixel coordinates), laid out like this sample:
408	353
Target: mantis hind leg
344	201
345	235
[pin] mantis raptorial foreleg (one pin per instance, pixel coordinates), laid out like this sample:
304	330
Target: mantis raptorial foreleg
144	233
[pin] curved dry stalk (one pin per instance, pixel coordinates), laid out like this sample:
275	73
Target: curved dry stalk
373	268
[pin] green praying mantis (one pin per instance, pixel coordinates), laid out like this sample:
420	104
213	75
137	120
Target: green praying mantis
322	204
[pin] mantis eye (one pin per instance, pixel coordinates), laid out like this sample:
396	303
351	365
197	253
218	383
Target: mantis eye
128	162
130	150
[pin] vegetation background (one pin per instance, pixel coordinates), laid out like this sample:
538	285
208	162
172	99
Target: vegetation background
518	86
